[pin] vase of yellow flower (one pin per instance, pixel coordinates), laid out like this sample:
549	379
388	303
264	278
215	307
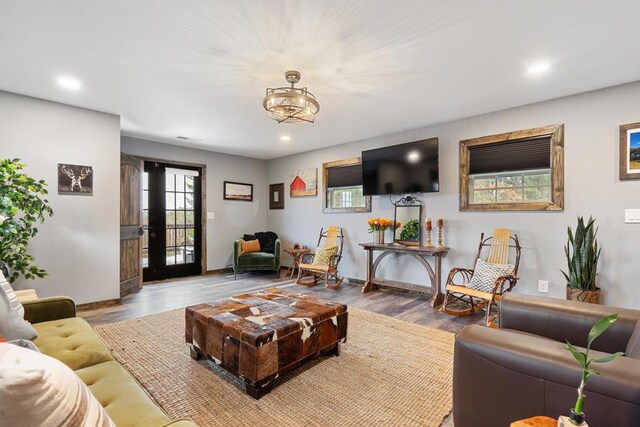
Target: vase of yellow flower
378	226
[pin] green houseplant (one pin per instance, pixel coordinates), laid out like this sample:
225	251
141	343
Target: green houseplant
22	206
577	415
411	230
582	253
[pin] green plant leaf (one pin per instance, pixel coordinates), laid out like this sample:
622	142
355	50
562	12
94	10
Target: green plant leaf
577	354
601	326
607	358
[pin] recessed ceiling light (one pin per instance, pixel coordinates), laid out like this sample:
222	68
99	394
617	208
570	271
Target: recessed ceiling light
539	68
285	138
69	83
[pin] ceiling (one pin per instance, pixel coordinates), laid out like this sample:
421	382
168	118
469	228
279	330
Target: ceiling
199	68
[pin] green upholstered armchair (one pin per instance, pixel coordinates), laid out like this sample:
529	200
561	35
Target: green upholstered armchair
256	260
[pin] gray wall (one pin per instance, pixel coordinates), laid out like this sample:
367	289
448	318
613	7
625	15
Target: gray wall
232	218
591	188
79	246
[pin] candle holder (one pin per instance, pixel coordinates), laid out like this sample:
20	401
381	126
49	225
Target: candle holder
428	244
440	227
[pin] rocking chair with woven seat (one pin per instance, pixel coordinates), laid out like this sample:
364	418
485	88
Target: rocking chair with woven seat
483	286
323	265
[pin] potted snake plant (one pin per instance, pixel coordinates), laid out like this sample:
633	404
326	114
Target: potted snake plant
582	254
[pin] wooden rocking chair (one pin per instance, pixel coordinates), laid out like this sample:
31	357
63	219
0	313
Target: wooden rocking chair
312	269
500	244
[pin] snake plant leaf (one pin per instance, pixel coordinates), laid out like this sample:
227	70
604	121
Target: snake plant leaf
601	326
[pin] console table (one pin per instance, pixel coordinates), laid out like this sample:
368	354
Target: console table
420	253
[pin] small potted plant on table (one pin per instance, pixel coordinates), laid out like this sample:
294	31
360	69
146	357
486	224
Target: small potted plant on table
577	417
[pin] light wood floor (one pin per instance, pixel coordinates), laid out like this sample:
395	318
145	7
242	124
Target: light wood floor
159	297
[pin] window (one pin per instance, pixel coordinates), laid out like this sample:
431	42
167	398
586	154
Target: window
520	170
342	187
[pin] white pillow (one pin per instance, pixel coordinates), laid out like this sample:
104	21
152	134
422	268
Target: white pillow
38	390
485	275
11	295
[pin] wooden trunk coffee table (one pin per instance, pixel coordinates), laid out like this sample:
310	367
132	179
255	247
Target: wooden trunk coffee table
261	335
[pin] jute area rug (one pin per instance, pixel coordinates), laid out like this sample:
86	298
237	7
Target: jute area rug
390	373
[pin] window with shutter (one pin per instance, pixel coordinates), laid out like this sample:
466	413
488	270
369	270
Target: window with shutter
520	170
342	185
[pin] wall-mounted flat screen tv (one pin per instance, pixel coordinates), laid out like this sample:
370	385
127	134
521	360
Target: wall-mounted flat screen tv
401	169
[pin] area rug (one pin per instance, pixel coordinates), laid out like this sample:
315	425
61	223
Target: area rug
389	372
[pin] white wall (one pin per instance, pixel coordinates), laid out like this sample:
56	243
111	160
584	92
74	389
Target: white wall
592	187
232	218
79	245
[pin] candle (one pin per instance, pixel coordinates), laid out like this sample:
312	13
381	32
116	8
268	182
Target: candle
440	222
429	224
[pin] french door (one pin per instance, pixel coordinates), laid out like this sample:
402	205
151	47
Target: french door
172	221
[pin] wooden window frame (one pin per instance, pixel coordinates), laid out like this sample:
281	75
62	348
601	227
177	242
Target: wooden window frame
325	175
556	132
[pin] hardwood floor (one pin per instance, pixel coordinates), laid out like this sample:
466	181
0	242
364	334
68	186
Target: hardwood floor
163	296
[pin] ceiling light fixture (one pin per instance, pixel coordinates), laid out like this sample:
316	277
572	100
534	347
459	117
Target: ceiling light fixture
291	104
285	138
539	68
69	83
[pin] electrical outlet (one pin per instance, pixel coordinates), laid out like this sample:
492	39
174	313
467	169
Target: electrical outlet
211	215
543	286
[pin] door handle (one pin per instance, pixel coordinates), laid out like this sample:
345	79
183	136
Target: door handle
152	231
140	231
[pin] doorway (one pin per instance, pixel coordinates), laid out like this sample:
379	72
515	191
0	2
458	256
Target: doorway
172	221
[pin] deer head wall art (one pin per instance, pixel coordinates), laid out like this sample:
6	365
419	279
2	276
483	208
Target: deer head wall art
75	179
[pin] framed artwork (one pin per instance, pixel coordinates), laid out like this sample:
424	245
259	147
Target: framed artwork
238	191
75	179
630	151
304	183
276	196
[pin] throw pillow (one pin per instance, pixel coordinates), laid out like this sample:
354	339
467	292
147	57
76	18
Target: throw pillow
12	325
485	275
633	347
38	390
13	299
323	255
249	246
267	241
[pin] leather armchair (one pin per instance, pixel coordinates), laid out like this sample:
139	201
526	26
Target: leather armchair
522	369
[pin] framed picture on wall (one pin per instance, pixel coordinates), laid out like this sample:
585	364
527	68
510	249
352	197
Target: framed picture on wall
75	179
238	191
304	182
630	151
276	196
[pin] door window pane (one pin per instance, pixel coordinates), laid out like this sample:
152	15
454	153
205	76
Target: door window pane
180	256
171	237
189	255
189	201
179	182
171	256
145	257
189	215
179	200
170	182
145	199
191	236
179	218
171	201
171	219
189	184
180	235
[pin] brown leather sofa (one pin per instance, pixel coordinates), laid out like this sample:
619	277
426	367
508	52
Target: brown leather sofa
522	369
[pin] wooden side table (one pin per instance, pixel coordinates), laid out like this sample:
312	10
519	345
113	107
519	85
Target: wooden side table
297	255
536	422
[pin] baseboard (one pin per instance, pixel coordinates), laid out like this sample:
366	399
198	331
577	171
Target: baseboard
220	271
99	304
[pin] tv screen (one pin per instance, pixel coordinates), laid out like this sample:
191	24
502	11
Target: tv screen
401	169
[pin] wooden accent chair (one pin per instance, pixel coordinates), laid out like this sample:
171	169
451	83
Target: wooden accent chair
500	245
312	268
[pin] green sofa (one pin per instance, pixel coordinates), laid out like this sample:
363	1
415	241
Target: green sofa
256	260
71	340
